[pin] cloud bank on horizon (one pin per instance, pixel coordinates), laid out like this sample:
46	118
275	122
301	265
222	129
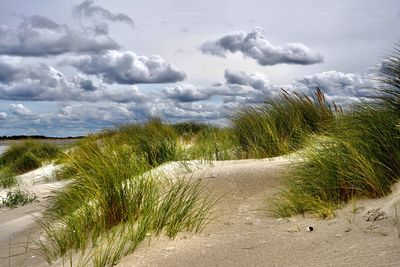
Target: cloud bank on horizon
73	77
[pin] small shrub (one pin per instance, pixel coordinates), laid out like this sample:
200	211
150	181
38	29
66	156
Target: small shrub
16	198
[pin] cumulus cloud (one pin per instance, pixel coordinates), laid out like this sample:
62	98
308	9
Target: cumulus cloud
247	88
256	80
253	44
253	87
127	68
21	111
186	93
41	82
338	86
3	115
87	9
91	113
182	102
40	36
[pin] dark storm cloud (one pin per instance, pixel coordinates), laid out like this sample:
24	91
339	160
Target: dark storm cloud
87	9
39	36
127	68
254	45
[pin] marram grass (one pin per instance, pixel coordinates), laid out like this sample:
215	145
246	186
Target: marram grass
113	203
28	155
282	124
360	156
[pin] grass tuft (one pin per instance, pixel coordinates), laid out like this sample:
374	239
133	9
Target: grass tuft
27	156
360	156
282	124
7	178
113	202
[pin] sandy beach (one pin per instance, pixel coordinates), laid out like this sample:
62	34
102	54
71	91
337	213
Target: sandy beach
241	233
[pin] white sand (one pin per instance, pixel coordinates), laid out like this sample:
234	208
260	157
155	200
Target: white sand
242	234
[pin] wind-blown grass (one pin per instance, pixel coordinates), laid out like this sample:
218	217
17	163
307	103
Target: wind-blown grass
112	195
187	130
153	140
28	155
282	124
214	143
361	157
7	178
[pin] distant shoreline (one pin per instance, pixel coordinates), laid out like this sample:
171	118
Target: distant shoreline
19	137
9	140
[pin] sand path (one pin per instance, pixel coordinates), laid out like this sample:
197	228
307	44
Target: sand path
18	225
243	235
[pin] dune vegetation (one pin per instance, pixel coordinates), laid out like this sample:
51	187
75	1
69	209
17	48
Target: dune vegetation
23	157
359	156
114	199
113	202
282	124
17	197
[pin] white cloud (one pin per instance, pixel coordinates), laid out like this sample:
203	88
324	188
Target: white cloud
41	82
253	44
340	87
87	9
127	68
3	115
21	111
39	36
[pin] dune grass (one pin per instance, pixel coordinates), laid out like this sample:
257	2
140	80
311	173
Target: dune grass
359	157
188	129
7	178
113	203
214	143
282	124
28	155
153	140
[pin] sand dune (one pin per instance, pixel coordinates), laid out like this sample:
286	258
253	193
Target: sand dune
241	233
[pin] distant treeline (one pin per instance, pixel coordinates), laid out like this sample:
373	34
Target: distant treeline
19	137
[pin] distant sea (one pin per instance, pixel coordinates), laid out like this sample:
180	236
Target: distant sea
3	148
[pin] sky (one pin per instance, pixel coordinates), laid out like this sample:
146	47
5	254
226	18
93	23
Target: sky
69	68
